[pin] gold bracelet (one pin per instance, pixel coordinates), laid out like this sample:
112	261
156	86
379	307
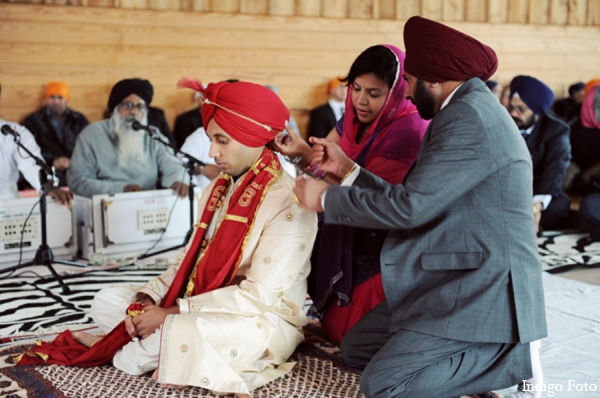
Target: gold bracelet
536	210
350	172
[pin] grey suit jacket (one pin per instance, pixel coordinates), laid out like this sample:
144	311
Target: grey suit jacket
461	259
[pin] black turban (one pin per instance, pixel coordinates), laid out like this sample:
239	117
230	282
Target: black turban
126	87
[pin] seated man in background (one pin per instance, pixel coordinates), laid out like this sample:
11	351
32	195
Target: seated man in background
197	145
495	88
323	118
111	157
187	123
13	159
569	109
547	139
56	127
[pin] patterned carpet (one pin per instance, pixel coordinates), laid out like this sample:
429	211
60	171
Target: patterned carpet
561	252
33	306
319	372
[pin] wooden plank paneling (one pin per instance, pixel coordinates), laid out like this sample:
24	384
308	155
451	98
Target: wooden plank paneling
538	12
476	10
407	8
335	8
432	9
164	4
362	9
386	9
517	11
453	10
577	12
559	12
498	11
254	7
132	4
101	3
308	8
593	13
226	6
281	7
555	12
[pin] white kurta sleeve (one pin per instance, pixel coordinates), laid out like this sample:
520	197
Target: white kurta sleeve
25	163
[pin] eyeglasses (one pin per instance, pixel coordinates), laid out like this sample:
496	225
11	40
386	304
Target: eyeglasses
141	107
518	108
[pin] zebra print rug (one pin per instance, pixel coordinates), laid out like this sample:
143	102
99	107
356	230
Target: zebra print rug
565	251
34	305
38	305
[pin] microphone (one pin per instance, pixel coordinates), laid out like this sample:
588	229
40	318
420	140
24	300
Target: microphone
6	130
139	126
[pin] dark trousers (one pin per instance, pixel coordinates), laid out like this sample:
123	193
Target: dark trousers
589	210
412	364
555	215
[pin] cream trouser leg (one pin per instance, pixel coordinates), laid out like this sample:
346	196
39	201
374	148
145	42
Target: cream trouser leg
108	310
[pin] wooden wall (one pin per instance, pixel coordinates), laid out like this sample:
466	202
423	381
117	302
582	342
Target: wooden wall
295	45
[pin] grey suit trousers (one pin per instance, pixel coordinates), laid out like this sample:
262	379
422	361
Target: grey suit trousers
412	364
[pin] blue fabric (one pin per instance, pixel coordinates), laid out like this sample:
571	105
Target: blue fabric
534	93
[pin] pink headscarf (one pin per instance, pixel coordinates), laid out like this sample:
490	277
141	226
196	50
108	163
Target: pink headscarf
590	109
400	144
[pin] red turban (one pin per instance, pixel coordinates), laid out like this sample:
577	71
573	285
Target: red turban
250	113
438	53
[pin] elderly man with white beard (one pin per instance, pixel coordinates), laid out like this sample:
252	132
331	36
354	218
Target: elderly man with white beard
111	157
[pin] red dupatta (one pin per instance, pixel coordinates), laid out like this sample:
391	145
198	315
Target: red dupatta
215	267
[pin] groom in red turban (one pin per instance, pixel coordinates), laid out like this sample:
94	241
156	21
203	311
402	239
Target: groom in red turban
229	312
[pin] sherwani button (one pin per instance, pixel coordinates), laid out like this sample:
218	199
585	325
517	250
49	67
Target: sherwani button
289	217
233	353
184	348
205	381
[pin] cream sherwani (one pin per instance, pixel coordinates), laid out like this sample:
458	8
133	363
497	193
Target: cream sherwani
237	338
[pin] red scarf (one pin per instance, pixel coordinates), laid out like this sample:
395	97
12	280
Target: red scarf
216	267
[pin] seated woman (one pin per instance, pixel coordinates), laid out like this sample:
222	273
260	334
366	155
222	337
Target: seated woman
229	313
584	170
381	131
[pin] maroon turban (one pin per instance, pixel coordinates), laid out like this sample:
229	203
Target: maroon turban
250	113
438	53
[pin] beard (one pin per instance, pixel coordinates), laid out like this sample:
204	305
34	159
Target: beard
424	101
131	142
56	110
524	125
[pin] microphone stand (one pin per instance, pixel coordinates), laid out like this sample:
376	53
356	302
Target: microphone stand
43	255
190	166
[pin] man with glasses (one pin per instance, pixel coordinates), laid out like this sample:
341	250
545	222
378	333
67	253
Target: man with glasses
547	139
111	156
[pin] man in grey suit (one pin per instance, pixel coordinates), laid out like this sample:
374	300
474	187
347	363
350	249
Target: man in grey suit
460	265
